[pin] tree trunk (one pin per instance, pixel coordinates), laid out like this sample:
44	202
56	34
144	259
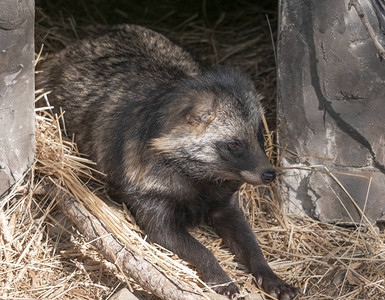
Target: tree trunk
131	264
17	140
331	104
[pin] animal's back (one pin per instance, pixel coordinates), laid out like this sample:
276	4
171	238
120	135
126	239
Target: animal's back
176	142
122	70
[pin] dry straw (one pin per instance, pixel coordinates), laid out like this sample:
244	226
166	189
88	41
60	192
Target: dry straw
326	261
42	255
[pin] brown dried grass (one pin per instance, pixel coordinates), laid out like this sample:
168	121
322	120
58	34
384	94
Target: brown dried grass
43	256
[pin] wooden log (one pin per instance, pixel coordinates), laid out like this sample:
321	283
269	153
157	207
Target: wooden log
132	265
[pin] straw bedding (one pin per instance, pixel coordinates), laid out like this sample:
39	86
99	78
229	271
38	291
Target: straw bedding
42	254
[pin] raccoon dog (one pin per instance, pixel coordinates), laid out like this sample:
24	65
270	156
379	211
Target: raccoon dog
175	139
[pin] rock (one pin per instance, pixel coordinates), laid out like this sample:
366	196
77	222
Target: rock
331	105
123	294
214	296
17	116
254	297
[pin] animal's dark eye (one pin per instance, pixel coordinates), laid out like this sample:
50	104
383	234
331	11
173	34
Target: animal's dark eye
233	145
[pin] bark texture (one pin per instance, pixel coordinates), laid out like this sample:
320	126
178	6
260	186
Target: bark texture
331	105
134	266
16	90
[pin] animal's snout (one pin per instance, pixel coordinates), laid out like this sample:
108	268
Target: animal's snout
256	177
268	176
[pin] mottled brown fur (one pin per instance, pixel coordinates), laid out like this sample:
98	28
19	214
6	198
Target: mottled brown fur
175	139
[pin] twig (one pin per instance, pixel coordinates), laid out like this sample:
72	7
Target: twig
133	265
360	11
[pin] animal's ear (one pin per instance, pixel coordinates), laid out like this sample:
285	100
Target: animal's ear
203	112
196	118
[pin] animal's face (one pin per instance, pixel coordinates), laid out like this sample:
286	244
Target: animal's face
217	131
243	157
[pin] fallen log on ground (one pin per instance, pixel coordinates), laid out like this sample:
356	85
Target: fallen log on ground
132	265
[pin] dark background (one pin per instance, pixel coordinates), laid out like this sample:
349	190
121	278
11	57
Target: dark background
238	33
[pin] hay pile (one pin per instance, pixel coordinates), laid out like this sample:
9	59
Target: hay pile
42	255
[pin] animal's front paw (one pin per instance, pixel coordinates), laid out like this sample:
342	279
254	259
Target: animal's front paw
230	290
275	286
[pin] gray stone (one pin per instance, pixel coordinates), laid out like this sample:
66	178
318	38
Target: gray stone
214	296
16	90
123	294
331	104
255	297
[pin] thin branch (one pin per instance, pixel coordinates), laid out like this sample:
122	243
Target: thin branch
360	11
132	265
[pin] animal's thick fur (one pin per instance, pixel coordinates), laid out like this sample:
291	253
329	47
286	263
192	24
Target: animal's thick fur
176	140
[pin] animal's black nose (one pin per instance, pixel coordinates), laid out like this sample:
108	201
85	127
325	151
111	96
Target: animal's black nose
268	176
